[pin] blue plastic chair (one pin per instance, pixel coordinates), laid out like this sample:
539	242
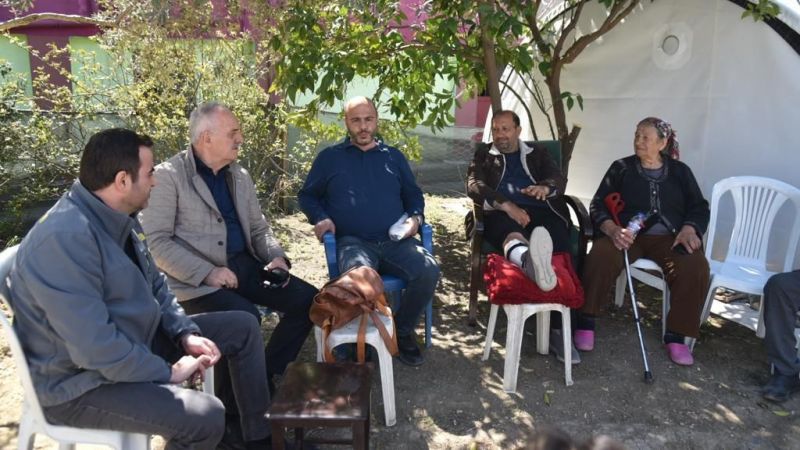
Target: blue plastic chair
391	284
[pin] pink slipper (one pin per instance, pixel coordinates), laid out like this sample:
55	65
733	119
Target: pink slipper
680	354
584	340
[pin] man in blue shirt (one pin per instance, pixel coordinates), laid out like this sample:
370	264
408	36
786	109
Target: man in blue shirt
357	189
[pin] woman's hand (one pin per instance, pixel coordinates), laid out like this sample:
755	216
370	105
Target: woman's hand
621	237
688	238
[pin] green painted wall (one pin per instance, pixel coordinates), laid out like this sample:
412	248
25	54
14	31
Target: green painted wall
94	71
367	88
13	51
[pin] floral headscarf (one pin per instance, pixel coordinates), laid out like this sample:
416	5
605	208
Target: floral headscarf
664	129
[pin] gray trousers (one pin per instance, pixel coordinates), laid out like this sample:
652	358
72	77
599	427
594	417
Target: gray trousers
781	303
187	419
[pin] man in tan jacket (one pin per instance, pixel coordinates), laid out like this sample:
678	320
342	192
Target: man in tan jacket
209	235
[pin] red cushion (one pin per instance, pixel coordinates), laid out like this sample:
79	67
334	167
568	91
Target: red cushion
506	283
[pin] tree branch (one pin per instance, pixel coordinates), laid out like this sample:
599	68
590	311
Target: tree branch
614	17
567	30
538	39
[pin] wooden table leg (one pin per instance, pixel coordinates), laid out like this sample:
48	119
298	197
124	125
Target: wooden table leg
360	435
277	436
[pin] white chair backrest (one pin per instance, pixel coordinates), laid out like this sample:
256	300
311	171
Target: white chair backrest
757	201
6	261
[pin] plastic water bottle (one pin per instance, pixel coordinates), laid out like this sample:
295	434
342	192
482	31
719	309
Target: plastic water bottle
400	228
636	223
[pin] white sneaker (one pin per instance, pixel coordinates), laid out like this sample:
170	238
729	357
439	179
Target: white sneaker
539	260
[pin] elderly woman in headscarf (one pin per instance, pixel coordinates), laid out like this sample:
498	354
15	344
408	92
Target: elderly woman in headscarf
653	182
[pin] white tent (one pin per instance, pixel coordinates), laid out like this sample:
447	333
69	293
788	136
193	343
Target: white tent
729	86
731	90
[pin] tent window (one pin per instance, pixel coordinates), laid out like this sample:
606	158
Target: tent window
670	44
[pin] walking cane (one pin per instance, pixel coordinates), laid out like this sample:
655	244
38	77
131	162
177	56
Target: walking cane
615	204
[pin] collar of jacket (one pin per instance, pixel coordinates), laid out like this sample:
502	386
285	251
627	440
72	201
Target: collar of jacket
113	222
347	143
523	148
192	162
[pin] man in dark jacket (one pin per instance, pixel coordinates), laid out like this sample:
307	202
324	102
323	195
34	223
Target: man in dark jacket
357	189
106	341
781	305
520	189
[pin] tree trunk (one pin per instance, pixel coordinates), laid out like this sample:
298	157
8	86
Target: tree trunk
560	116
567	148
490	61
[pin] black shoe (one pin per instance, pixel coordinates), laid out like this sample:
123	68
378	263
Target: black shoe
780	387
344	353
232	439
409	350
349	353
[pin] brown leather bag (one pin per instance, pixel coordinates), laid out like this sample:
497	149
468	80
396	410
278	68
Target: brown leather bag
357	292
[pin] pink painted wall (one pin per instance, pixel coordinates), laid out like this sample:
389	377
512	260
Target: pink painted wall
473	112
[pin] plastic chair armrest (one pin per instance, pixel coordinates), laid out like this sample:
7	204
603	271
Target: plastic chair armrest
329	242
584	222
585	228
426	232
477	214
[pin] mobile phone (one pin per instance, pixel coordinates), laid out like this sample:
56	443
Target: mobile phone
680	249
274	277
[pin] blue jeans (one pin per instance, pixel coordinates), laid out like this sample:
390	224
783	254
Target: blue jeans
407	260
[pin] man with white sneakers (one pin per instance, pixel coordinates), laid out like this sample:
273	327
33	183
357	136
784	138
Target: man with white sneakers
520	189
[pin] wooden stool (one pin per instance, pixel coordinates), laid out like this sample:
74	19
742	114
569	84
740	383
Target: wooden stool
322	395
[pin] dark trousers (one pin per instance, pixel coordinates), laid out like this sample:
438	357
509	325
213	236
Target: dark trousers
406	259
686	275
186	418
781	304
293	301
499	225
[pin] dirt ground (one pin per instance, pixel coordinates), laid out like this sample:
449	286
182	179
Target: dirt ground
456	401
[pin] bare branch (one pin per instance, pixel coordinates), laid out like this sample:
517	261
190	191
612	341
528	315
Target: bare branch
614	17
538	39
36	17
567	30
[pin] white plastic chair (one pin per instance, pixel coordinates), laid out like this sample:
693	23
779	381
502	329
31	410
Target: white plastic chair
757	201
640	270
349	334
33	420
517	315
